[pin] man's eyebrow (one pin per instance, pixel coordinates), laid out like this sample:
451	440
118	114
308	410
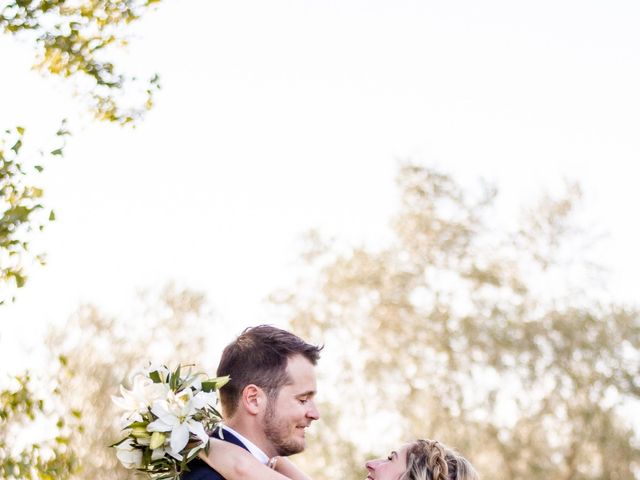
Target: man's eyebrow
308	393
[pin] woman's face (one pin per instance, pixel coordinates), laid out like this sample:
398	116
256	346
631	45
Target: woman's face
390	468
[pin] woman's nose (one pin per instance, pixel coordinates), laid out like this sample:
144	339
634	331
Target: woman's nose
371	464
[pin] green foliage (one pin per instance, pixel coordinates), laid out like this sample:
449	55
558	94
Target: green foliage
73	40
21	209
477	336
20	410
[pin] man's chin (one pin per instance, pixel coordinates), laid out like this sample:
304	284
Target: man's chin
291	448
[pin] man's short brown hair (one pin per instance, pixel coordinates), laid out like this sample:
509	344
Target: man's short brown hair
259	356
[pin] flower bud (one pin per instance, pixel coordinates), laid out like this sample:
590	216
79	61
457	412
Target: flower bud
139	432
157	440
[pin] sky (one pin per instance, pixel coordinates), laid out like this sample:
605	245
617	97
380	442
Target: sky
278	117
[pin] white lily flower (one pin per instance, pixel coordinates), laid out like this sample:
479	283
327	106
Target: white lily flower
179	437
158	453
175	415
197	383
180	434
177	456
198	430
136	402
204	399
129	457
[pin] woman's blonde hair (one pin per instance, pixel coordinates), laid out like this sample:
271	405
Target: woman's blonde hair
431	460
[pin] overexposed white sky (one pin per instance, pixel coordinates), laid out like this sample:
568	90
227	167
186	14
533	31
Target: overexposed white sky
276	117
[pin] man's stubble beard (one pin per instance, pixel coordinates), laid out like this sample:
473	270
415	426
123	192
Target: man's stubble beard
277	432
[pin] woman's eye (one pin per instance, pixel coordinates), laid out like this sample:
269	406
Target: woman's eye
389	458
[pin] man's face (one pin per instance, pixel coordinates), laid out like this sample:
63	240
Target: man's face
292	411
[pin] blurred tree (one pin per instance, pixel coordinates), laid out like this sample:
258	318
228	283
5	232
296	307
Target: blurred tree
21	413
21	212
496	343
74	39
21	408
101	351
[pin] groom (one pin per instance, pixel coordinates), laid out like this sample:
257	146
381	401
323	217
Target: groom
269	402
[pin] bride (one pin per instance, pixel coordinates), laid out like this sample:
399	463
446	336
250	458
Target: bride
420	460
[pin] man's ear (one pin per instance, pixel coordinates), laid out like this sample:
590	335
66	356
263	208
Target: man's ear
253	399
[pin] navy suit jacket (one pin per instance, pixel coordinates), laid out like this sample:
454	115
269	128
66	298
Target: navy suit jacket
199	470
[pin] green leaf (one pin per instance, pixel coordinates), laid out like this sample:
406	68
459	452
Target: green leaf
208	386
63	131
16	146
119	442
52	216
155	376
175	379
20	130
216	383
57	151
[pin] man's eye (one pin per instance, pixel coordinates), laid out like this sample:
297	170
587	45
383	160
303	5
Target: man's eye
303	400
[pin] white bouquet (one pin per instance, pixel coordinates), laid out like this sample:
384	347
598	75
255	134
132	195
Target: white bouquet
167	417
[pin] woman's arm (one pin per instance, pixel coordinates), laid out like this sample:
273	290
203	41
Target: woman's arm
235	463
289	470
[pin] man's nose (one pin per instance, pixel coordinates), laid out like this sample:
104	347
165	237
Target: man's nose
313	412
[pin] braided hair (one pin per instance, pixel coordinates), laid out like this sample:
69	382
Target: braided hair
432	460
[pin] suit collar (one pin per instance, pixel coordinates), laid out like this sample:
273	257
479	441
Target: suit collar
239	439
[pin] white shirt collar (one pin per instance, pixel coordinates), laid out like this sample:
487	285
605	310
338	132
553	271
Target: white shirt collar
255	451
